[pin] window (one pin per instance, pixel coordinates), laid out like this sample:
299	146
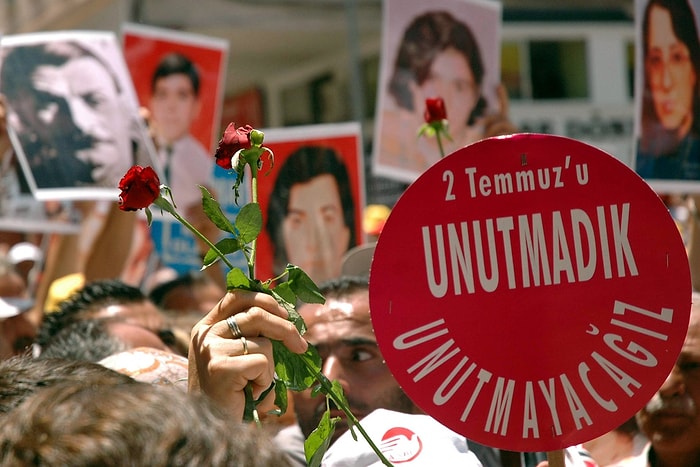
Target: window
545	69
558	69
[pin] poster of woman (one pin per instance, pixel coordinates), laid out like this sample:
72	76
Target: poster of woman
448	49
668	94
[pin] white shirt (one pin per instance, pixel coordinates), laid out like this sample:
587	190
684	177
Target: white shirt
188	165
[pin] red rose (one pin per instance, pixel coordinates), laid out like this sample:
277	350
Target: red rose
434	110
140	186
234	139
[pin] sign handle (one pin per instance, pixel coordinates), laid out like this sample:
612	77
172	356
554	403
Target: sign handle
556	458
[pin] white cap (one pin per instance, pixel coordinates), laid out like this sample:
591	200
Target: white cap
357	260
404	439
24	251
10	307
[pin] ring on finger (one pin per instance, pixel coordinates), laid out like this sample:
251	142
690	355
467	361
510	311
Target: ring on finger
233	326
244	341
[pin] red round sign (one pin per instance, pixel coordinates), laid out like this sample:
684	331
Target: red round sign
530	292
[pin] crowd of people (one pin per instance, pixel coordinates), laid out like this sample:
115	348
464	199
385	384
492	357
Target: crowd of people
108	361
96	371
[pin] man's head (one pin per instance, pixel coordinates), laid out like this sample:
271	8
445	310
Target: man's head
671	420
20	377
132	424
95	339
311	217
67	103
175	102
189	292
109	301
342	332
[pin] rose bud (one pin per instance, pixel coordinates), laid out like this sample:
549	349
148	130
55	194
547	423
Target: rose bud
434	110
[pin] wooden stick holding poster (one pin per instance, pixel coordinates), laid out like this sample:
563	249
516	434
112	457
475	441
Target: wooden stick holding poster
549	292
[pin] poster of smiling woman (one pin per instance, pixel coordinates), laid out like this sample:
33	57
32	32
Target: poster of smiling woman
445	48
72	113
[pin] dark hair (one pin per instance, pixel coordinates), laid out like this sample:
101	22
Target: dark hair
684	27
303	165
343	286
91	298
135	424
20	377
190	279
176	64
425	38
19	64
85	339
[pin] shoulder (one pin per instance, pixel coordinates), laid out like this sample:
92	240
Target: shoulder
639	460
291	442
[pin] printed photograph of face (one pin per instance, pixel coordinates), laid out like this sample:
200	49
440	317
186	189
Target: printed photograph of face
312	204
669	140
179	79
72	112
445	51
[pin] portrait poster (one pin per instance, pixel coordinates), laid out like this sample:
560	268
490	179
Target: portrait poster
464	37
301	222
667	103
185	127
73	116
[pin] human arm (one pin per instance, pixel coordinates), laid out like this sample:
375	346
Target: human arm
217	365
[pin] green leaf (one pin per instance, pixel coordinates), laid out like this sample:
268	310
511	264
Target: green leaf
225	246
339	396
286	298
284	292
149	217
303	286
228	245
210	258
297	371
249	222
252	155
281	396
213	211
236	279
318	441
294	315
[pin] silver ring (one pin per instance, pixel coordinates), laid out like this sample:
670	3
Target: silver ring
233	326
244	341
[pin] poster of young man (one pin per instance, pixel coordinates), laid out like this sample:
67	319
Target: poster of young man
311	200
72	113
668	94
179	79
448	49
